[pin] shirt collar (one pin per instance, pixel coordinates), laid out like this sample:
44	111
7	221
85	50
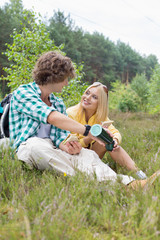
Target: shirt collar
38	90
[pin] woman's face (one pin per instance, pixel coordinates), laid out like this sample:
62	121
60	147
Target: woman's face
89	99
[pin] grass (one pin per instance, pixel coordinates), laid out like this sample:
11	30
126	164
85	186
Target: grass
44	205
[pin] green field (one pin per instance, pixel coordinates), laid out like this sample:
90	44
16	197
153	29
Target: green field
43	205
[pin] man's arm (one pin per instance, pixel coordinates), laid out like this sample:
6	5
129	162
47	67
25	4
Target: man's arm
63	122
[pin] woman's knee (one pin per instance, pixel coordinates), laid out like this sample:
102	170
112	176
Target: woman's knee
99	149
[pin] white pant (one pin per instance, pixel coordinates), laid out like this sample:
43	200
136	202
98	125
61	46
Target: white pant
42	154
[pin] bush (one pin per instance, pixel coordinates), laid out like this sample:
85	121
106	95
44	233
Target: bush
129	101
141	87
118	89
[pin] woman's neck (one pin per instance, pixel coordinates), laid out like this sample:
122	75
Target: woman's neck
88	115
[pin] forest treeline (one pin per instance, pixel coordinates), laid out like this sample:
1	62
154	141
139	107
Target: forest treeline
115	64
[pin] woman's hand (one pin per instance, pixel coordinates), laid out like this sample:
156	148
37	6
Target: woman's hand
116	146
71	147
109	132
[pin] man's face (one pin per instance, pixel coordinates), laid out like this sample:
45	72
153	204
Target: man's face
59	86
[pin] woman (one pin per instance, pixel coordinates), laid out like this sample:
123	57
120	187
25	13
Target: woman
38	124
93	109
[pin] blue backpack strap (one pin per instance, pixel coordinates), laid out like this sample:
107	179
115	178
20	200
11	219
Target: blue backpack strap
1	110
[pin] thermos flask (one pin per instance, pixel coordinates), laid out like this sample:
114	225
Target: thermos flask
98	131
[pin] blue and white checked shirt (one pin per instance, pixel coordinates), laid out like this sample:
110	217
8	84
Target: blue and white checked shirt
28	111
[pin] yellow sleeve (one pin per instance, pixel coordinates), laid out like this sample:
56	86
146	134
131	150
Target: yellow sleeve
82	142
116	133
70	113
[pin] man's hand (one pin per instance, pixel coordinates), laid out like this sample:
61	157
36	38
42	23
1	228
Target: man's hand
71	147
96	139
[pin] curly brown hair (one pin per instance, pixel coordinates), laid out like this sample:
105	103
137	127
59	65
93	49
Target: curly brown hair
53	67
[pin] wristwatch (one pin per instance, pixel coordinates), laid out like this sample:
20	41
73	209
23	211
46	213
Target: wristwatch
88	127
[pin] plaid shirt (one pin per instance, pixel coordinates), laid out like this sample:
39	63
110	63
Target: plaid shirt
28	111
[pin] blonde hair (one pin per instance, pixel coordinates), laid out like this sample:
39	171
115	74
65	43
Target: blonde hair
101	113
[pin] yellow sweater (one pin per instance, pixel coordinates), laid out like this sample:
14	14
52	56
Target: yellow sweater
72	113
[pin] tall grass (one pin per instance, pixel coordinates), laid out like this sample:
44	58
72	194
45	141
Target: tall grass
44	205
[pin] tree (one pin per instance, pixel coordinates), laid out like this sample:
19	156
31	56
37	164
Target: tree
100	59
130	62
11	17
27	46
150	63
61	30
154	91
141	87
5	30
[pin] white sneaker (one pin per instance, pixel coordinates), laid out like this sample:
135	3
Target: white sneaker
141	174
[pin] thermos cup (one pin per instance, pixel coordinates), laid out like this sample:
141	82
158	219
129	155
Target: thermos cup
98	131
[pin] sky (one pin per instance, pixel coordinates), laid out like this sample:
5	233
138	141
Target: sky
136	23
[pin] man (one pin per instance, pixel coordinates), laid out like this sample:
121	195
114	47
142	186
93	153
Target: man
39	125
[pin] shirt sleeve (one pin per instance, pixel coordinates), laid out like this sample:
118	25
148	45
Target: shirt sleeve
116	133
60	134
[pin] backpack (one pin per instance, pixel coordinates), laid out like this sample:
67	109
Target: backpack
4	116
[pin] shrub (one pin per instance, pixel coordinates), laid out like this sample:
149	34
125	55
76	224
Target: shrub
129	101
141	87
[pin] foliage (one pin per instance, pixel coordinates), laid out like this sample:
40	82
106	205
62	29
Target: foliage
102	59
129	101
122	97
11	17
27	46
154	91
44	205
102	53
130	62
117	90
150	63
141	86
